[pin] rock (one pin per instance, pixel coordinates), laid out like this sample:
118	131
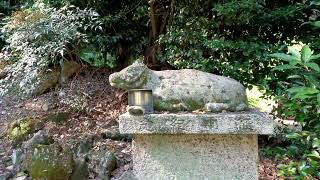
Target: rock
128	175
6	176
183	90
84	146
21	178
41	137
45	107
19	130
3	74
59	117
17	159
68	69
136	110
10	168
102	163
80	171
114	134
51	162
50	79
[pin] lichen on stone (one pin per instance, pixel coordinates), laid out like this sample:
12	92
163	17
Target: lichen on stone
50	162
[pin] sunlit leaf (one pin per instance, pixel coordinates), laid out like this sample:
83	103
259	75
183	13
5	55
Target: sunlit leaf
313	66
306	53
316	143
283	56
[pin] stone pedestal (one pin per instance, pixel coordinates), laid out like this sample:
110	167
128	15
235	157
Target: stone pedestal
196	146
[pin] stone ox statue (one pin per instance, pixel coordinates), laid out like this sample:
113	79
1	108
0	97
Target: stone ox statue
183	90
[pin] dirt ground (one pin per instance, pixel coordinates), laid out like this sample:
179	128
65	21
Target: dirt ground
93	107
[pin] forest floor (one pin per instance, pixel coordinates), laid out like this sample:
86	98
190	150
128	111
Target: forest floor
93	107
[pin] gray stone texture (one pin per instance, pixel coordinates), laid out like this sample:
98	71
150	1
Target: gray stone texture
190	146
249	122
189	157
183	90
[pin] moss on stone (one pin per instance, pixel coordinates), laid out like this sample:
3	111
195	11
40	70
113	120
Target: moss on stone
174	105
18	130
193	104
50	162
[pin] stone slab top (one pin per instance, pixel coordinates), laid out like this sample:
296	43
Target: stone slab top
247	122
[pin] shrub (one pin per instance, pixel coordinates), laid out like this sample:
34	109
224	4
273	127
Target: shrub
298	96
39	38
231	38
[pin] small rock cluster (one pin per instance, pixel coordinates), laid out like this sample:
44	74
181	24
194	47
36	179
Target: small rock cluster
37	156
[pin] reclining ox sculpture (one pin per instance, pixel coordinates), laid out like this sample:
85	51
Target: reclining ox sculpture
183	90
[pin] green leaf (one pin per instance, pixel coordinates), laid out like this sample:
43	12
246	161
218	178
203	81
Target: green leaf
314	154
316	143
284	57
313	66
305	94
294	52
306	53
318	98
284	67
306	90
314	23
314	57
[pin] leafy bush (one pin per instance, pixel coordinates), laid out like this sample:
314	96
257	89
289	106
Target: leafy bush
232	37
38	38
299	89
119	34
298	96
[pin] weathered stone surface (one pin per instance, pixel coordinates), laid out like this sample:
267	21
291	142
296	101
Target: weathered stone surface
80	170
50	162
41	137
183	90
250	122
102	163
128	175
191	157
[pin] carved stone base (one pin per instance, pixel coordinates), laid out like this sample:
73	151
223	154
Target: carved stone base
190	157
196	146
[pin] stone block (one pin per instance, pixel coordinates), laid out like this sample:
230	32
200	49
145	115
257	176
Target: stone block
196	146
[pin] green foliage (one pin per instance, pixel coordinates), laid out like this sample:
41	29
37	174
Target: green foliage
118	34
46	32
298	92
299	89
300	159
231	37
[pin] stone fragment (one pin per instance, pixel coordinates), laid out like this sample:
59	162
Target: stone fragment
102	163
6	176
84	146
114	134
80	170
128	175
17	159
51	162
41	137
